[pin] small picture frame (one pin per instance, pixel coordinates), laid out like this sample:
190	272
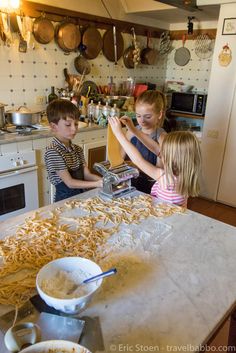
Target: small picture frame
229	26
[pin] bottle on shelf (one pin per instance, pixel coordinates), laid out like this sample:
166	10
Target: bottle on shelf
82	111
91	111
106	110
52	96
98	111
115	111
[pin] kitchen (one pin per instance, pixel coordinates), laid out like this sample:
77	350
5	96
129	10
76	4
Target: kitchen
35	83
28	78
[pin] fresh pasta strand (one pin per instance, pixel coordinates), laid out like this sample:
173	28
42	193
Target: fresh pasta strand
43	238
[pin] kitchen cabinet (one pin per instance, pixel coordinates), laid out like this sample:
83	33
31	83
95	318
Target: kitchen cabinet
95	152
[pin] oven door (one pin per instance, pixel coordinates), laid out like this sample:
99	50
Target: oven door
18	192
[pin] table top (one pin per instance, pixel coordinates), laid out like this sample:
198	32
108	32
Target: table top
175	285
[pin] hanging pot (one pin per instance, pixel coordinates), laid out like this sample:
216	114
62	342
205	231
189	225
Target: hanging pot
92	42
43	30
68	36
109	43
148	55
128	57
82	65
23	117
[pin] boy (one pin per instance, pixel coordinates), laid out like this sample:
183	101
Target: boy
64	160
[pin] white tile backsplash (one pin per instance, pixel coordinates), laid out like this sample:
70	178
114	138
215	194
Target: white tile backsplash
24	76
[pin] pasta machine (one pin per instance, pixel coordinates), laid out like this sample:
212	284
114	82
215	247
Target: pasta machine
116	180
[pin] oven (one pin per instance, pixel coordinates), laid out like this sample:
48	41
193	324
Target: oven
18	184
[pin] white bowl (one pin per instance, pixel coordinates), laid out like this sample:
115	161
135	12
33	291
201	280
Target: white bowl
57	346
68	265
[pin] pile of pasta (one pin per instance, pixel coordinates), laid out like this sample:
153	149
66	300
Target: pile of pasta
41	239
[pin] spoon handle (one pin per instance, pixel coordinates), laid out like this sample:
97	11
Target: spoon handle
110	272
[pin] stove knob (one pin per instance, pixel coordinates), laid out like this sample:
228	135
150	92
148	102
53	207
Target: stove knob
15	163
22	162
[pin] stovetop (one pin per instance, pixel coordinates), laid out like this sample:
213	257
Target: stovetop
22	130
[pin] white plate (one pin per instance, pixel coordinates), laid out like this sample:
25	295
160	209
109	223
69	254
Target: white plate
58	346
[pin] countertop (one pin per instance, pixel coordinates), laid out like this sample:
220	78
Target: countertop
37	134
175	287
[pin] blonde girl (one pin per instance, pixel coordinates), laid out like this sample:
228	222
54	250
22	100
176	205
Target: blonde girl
150	109
181	157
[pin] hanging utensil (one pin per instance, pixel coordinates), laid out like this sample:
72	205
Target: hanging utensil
115	44
165	43
101	275
136	52
22	42
204	46
109	41
7	28
2	34
182	54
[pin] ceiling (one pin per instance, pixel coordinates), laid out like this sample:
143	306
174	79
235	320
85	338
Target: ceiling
177	15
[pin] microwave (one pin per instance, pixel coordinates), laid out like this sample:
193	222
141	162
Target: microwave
190	103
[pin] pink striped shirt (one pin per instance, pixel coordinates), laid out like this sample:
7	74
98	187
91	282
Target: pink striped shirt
167	192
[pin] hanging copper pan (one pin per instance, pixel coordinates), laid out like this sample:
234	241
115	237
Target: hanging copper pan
92	42
43	30
148	55
68	36
109	45
128	57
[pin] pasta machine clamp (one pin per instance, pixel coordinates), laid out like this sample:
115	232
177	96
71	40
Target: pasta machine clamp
116	180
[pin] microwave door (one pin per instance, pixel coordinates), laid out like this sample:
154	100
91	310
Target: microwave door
182	102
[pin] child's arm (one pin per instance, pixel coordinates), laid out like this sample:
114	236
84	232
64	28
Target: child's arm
152	145
151	170
90	176
79	184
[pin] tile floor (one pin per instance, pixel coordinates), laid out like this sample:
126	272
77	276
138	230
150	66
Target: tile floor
216	210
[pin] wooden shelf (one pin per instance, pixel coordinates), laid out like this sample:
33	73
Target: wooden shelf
185	115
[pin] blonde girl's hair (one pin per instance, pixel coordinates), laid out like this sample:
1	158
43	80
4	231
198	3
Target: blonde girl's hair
181	156
155	98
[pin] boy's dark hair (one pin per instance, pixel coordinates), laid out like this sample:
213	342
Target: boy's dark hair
61	109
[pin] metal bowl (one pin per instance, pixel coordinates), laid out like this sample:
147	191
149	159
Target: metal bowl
118	100
23	117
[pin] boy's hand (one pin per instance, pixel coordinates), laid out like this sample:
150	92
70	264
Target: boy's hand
127	121
100	183
115	125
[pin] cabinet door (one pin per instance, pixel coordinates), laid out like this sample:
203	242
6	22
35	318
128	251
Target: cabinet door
95	152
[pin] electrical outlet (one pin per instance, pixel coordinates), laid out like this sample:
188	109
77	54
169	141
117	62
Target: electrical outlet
213	134
40	100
